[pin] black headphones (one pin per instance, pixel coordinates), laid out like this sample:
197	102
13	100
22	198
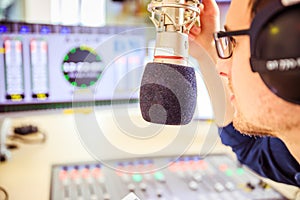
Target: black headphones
275	48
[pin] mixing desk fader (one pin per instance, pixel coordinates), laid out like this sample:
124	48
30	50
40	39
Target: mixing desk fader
214	177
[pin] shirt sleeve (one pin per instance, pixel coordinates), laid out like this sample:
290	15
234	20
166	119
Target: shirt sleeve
268	156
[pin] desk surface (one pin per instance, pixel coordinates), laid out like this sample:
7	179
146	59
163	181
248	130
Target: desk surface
27	174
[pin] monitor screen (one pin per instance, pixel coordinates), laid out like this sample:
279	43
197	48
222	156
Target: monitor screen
46	66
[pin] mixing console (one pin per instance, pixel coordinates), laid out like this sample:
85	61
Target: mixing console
215	177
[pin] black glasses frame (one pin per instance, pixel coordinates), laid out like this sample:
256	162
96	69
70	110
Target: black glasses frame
229	34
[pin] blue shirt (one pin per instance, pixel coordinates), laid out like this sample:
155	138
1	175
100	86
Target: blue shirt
268	156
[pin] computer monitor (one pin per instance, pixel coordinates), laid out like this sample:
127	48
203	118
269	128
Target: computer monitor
42	66
46	67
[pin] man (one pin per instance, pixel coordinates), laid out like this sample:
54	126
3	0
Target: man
257	110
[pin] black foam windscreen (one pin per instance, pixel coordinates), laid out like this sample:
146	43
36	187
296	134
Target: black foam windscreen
168	93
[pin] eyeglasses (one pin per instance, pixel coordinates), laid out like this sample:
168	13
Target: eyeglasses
225	43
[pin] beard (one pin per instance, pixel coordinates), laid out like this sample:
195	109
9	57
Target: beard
273	116
247	127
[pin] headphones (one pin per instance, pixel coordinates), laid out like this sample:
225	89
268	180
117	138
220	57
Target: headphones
275	48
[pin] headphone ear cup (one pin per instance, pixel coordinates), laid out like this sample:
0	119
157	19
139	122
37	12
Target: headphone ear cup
286	86
279	39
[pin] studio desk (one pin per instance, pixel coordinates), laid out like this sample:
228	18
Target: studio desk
112	138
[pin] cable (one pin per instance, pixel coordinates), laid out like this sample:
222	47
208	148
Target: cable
11	146
2	190
26	140
28	134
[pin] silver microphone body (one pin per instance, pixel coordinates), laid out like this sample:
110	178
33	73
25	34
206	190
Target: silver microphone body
168	90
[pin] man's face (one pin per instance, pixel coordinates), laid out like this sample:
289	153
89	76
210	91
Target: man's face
257	109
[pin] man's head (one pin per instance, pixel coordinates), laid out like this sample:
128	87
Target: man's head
258	110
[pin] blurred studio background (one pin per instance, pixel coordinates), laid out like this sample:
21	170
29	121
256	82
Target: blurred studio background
82	12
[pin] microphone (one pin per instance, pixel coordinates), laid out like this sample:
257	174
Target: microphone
168	92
